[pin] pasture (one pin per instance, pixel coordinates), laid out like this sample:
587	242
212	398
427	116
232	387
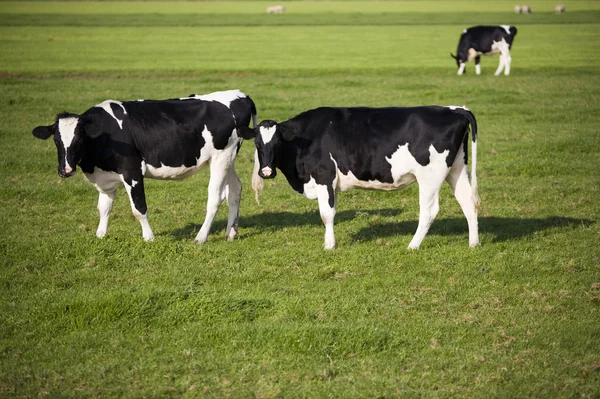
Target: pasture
272	314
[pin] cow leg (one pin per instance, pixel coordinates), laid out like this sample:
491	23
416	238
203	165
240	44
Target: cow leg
507	61
219	168
458	180
233	194
461	69
327	198
105	204
430	183
500	66
137	197
477	66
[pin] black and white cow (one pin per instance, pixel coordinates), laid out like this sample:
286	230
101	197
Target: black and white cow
485	40
326	150
118	143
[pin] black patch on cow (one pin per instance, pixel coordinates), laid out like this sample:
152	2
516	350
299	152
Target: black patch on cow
239	107
117	111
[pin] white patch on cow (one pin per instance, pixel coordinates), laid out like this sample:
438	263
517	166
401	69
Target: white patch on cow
310	189
403	166
66	128
461	69
106	106
498	47
478	69
134	183
224	97
267	133
506	28
181	172
105	182
453	107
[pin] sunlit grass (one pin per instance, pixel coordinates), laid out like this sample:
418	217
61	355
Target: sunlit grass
273	314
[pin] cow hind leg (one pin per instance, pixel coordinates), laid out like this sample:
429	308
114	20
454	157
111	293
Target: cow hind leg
477	66
105	204
507	61
430	182
458	180
233	191
216	195
137	198
327	200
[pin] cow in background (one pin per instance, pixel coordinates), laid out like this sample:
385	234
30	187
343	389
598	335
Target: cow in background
485	40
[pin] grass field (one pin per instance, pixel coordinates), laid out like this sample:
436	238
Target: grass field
273	314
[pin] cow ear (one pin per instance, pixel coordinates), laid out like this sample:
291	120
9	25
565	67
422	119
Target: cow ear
92	130
42	132
453	56
246	133
287	133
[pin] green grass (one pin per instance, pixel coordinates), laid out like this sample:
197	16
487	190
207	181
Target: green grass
272	314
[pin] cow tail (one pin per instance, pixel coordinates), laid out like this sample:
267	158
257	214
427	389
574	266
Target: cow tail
474	189
257	181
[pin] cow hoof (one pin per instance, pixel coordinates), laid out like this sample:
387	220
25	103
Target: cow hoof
100	234
149	238
413	247
474	244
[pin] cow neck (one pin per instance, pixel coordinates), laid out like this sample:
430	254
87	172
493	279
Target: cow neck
286	162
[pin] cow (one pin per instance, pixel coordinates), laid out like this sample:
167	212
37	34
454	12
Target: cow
117	142
559	9
485	40
279	9
326	150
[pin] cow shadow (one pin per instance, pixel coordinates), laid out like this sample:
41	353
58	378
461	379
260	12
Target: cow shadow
502	229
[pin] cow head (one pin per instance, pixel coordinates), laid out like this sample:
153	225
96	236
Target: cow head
458	60
68	133
267	139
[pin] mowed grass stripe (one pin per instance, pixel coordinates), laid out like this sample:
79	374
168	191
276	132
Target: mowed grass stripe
292	7
318	49
316	19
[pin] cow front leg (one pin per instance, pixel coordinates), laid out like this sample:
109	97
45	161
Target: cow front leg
429	205
477	66
137	198
327	198
105	204
461	68
233	194
216	194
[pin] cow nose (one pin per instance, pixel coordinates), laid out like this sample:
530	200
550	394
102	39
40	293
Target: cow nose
266	171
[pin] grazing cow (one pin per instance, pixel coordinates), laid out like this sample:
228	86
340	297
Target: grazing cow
559	9
118	143
326	150
276	9
517	9
485	40
525	9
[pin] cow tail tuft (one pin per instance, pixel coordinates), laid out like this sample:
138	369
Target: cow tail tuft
257	181
475	191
